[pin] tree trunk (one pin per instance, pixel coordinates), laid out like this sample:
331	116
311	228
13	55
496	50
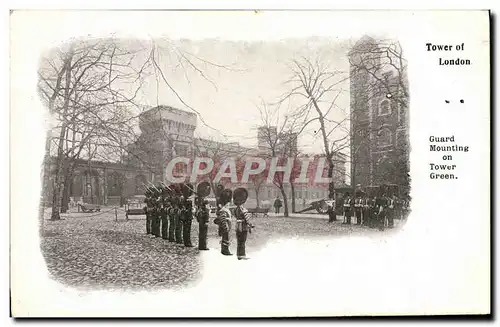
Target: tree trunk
68	180
331	191
292	187
45	181
257	197
56	196
285	201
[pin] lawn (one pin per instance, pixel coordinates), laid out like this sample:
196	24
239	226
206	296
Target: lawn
99	252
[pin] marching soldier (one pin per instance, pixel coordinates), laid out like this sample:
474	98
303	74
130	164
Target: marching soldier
243	225
202	214
347	209
358	208
224	220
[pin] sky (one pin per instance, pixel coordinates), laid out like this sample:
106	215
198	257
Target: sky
253	73
257	46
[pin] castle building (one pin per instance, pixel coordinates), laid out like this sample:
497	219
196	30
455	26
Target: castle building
379	115
166	133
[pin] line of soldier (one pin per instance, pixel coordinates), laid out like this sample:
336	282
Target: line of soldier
169	214
374	211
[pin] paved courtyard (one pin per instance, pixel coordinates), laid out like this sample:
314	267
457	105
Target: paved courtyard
93	250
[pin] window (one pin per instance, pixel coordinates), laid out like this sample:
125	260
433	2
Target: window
384	137
384	107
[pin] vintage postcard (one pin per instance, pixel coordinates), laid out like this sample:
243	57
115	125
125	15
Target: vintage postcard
250	163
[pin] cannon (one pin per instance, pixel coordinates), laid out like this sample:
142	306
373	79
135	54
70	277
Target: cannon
321	206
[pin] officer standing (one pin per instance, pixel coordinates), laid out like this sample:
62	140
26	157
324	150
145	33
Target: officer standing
179	220
202	215
358	208
171	217
154	213
243	224
164	216
147	210
224	220
187	222
391	211
347	209
366	210
381	204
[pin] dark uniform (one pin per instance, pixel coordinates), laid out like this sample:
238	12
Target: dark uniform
347	210
391	211
373	213
366	211
358	208
155	227
224	221
171	217
381	205
203	216
164	220
187	222
243	224
147	209
179	222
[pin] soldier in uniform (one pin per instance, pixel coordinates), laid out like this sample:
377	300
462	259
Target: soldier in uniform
154	213
243	224
347	209
223	220
218	193
187	215
202	214
147	210
391	211
179	220
358	208
164	214
373	212
172	212
366	210
381	205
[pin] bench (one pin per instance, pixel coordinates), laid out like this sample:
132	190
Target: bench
256	211
85	207
134	212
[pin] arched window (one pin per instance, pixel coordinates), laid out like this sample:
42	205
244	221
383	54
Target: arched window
384	107
384	137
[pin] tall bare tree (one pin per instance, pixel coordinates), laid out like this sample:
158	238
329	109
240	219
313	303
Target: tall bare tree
79	81
315	88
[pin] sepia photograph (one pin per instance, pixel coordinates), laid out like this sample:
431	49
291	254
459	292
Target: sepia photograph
170	162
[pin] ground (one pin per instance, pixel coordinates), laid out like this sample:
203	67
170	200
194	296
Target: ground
103	250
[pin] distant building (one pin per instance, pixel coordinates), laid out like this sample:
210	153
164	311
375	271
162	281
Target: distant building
379	119
167	132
